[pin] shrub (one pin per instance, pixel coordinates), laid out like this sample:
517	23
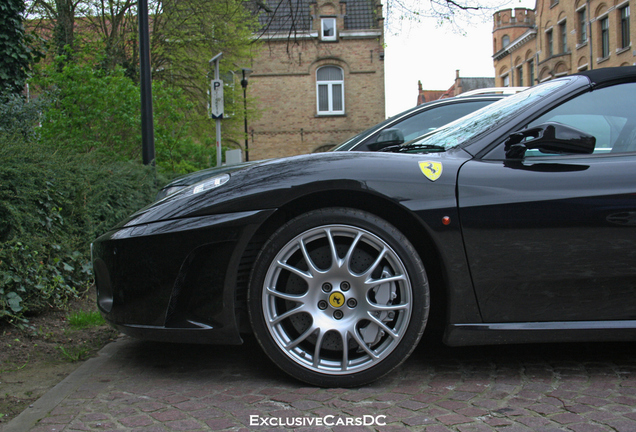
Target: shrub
95	111
66	183
91	110
20	117
52	206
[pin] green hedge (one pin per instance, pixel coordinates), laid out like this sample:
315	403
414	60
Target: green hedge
52	205
70	170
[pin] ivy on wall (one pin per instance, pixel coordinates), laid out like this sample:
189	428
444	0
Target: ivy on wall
16	55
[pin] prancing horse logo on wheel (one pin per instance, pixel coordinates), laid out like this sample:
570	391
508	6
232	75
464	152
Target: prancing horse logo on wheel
336	299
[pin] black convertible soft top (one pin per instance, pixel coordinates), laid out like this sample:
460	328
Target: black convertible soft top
607	76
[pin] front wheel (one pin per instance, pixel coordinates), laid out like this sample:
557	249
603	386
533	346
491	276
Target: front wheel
338	297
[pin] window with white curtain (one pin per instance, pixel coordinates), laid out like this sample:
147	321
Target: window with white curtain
330	90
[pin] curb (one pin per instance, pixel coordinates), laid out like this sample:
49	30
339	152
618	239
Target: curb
29	418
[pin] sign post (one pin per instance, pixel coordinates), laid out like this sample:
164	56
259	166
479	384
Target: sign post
216	104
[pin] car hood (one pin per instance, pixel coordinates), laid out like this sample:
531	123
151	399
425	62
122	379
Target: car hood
271	184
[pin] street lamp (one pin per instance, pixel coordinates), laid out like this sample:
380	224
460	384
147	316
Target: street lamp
246	73
145	81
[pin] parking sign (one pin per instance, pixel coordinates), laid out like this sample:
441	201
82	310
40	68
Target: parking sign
216	104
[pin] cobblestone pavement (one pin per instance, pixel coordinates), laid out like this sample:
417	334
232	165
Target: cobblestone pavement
147	386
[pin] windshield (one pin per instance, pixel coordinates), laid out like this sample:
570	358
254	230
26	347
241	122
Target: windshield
477	123
351	142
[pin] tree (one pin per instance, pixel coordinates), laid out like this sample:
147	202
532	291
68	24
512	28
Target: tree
456	15
57	17
443	10
186	34
116	23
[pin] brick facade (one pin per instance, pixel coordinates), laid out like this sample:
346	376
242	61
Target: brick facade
561	37
284	83
461	85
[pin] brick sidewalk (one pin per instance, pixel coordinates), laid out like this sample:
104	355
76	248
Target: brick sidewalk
146	386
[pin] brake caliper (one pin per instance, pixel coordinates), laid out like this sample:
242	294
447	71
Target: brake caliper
384	294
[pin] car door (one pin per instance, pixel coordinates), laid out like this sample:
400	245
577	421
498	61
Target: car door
552	237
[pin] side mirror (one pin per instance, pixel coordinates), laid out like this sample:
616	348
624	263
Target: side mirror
551	138
387	137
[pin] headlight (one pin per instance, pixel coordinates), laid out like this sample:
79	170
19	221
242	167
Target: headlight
211	183
169	191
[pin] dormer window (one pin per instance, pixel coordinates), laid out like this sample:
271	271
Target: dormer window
328	29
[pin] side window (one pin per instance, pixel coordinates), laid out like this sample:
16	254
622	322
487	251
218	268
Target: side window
433	118
608	114
330	90
604	128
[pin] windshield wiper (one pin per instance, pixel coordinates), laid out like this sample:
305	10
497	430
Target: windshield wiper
411	147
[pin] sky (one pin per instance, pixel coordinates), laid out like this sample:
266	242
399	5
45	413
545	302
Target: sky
431	54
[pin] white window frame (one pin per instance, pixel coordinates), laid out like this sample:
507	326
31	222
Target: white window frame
604	37
330	93
581	17
624	31
563	36
332	21
549	41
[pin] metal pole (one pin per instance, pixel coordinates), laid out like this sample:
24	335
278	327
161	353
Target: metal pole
219	155
219	149
147	127
247	151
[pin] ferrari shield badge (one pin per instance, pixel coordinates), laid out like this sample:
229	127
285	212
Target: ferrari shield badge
432	170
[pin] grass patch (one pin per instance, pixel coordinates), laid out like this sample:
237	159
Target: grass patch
81	320
74	354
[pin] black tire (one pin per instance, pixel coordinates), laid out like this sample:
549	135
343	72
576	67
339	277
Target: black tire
372	298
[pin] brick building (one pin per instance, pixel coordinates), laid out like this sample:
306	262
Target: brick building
461	85
561	37
319	79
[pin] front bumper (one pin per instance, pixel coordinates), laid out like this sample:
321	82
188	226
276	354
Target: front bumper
176	280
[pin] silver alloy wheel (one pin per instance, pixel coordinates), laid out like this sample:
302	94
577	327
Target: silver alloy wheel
337	299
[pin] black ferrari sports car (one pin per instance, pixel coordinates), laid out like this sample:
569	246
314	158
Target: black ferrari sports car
395	130
515	224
